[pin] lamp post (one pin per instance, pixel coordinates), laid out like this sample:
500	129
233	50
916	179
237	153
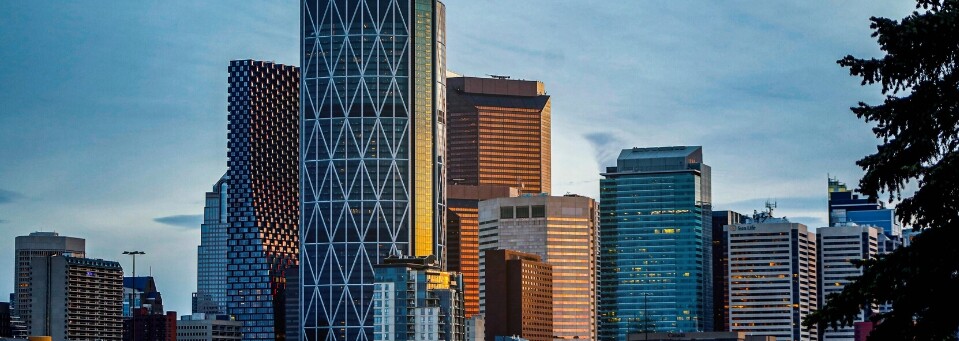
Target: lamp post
133	292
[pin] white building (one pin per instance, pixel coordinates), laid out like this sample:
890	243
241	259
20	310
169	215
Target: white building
561	230
838	247
205	327
772	278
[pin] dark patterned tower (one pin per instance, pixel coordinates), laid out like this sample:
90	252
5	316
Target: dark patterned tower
373	148
263	210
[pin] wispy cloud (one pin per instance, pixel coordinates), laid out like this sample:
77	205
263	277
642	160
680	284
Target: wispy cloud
3	221
606	147
188	221
7	197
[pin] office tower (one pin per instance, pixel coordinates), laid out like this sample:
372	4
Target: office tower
149	326
499	133
262	208
476	328
462	235
655	242
38	245
561	230
210	297
846	207
415	300
772	278
204	327
373	142
720	262
520	301
838	247
76	298
141	292
6	329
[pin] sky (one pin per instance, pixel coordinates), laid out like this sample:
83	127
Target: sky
113	114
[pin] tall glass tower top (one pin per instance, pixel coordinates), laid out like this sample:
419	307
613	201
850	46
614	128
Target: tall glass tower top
372	151
211	266
655	243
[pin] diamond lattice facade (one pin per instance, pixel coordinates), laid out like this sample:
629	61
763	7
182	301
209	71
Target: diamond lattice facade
262	211
372	145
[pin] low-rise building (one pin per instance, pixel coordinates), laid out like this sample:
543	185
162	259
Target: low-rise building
204	327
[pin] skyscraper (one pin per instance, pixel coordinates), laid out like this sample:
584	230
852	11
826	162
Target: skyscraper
772	278
838	246
373	151
499	133
561	230
415	300
462	235
655	247
212	262
262	210
720	262
38	245
76	298
846	207
520	301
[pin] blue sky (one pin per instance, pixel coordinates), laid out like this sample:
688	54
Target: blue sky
113	114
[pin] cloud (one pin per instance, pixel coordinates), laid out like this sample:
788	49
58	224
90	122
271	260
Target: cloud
7	197
606	148
187	220
3	221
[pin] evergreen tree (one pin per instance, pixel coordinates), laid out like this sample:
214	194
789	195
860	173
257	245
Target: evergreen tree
918	123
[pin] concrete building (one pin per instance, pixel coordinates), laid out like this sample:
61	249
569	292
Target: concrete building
520	296
772	277
720	262
561	230
499	133
476	328
701	336
462	235
263	212
656	242
211	284
204	327
838	246
148	326
38	245
76	298
374	144
414	300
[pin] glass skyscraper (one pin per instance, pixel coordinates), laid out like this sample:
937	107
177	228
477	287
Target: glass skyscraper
372	152
846	207
262	210
655	243
211	266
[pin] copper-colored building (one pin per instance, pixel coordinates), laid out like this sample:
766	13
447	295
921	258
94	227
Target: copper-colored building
498	133
462	235
519	296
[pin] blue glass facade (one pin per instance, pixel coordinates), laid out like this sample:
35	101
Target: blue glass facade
847	207
655	243
262	210
372	151
211	283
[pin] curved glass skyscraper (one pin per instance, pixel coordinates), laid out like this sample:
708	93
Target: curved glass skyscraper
372	152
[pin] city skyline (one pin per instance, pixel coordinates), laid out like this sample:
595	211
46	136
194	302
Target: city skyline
78	161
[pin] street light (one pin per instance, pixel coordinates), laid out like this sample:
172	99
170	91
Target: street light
133	291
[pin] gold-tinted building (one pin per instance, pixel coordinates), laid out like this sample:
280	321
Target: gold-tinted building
498	133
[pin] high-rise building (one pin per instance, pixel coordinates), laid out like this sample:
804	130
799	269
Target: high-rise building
838	246
204	327
720	262
520	301
76	298
462	235
141	292
499	133
476	328
415	300
262	196
561	230
772	278
211	285
373	143
150	326
655	242
38	245
846	207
